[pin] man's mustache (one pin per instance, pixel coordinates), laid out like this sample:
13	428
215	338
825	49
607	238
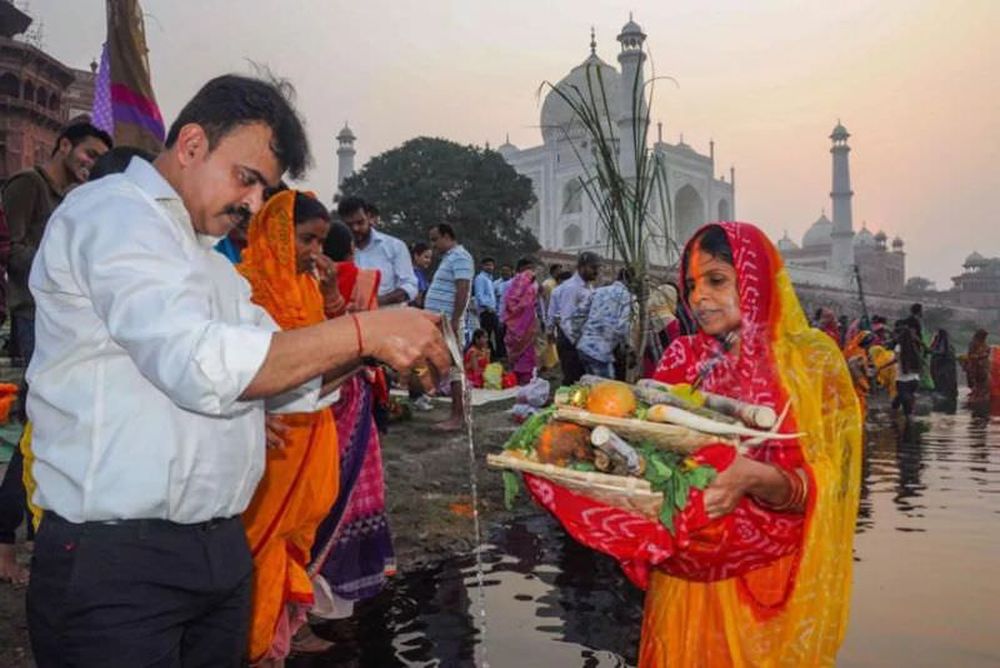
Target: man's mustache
241	213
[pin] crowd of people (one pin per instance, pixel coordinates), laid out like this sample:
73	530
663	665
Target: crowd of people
905	359
209	360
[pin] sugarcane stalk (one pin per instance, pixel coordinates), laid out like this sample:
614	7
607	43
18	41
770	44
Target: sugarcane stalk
753	415
664	436
677	416
609	442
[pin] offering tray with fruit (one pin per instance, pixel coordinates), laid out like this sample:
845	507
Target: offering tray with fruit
629	446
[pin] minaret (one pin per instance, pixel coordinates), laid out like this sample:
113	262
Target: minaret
843	224
633	99
345	154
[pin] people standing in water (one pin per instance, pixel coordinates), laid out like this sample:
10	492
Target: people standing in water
944	371
977	367
757	571
520	321
352	555
909	363
296	284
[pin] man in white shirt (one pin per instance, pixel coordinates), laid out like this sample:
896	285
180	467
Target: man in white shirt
376	250
562	305
148	390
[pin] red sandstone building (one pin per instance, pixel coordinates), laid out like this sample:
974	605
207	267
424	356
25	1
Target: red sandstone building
38	95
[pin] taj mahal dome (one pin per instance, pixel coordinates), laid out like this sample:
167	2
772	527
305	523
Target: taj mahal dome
563	218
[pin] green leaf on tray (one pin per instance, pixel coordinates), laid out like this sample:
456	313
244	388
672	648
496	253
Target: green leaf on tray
527	434
511	488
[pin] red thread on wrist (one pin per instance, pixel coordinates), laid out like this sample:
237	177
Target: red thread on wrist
357	331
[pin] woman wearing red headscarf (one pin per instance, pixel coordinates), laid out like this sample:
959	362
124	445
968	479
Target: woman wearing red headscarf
757	571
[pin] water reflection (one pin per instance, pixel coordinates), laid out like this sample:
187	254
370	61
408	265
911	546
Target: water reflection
926	590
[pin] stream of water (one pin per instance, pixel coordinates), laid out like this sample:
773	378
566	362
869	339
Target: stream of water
926	582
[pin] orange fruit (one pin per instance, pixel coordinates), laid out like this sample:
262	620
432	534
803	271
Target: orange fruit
561	441
611	398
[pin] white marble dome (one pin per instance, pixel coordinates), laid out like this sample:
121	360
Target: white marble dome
785	243
819	233
558	120
865	238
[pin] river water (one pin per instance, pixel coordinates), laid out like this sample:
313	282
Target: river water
926	580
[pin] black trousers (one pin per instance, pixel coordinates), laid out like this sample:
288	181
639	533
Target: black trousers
13	500
569	359
139	593
13	497
490	323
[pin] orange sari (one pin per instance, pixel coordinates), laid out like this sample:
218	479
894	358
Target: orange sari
301	479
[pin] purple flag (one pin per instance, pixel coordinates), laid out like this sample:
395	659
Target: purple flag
102	115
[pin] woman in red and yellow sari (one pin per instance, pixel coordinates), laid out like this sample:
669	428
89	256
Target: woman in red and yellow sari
281	260
758	569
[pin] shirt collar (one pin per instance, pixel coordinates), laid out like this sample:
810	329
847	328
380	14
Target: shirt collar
149	180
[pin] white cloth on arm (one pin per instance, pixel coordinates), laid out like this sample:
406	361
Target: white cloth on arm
392	258
146	338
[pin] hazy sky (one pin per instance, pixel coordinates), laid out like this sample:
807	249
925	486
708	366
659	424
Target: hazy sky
917	83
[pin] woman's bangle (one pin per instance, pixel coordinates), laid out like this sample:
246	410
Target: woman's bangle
357	331
797	492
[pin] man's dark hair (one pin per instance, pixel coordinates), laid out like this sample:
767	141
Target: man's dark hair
116	160
524	263
351	205
917	309
77	132
564	275
308	208
372	210
419	248
486	260
230	101
588	259
445	230
339	242
554	269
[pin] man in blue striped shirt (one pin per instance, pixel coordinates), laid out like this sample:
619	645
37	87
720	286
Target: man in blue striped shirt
449	296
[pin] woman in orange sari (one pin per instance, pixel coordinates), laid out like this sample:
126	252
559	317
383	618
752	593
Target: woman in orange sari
757	571
281	261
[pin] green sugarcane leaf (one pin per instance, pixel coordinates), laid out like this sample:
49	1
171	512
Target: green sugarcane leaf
511	489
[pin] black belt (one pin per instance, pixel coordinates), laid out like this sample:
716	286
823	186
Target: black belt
150	523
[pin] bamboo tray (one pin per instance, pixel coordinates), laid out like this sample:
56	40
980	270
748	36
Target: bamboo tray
662	435
625	492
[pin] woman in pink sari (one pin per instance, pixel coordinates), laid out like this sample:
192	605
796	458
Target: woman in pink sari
521	320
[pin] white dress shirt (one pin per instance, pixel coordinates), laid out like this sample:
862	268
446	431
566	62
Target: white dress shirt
563	302
145	340
392	258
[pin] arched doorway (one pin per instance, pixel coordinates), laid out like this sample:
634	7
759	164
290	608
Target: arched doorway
572	236
689	210
724	211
